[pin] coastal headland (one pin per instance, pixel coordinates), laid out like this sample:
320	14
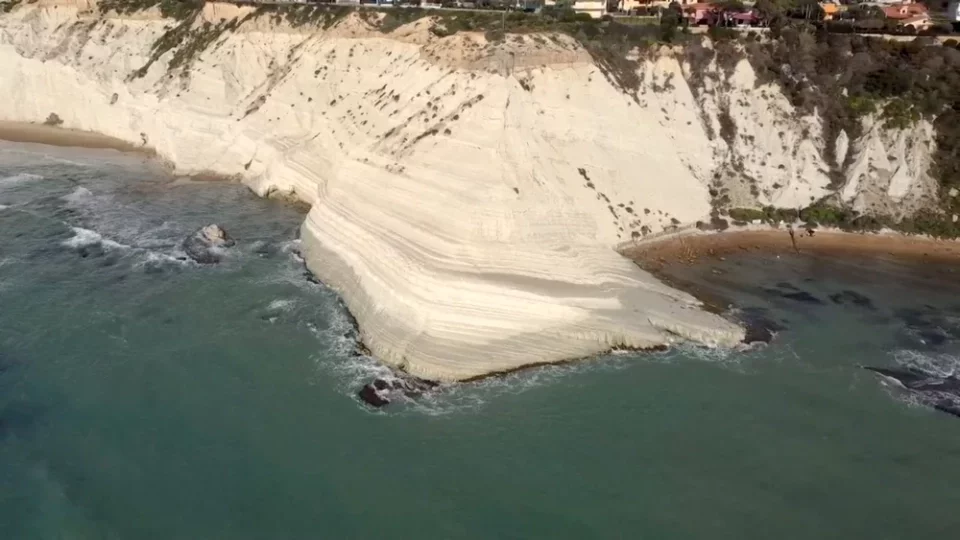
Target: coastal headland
468	189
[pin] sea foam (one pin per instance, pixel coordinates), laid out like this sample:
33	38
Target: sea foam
86	237
18	179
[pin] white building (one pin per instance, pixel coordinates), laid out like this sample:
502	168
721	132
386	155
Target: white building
594	8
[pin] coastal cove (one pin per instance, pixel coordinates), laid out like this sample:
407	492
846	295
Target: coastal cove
302	270
466	191
148	397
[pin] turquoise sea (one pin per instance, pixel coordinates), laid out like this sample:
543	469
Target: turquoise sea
143	396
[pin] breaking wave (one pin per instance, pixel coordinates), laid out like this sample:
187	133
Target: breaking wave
19	179
282	304
78	196
941	365
86	237
149	259
350	371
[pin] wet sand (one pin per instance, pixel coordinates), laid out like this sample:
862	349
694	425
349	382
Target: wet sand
652	255
666	257
55	136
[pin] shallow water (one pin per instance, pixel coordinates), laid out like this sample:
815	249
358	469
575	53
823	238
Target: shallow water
142	396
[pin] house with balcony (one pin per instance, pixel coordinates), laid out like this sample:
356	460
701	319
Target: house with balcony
909	15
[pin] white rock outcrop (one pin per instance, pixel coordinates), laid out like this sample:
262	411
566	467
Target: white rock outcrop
466	198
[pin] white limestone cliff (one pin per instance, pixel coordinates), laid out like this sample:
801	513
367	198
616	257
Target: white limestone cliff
467	198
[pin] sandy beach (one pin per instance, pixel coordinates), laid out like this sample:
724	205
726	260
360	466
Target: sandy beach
688	248
43	134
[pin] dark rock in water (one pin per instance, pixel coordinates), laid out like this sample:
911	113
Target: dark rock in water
933	390
369	395
917	379
787	285
380	391
760	328
311	278
852	297
203	245
948	407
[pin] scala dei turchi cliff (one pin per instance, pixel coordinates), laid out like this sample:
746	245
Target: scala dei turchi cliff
467	197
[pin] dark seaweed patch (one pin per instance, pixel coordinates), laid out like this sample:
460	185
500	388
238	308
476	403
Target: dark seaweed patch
852	297
797	296
760	328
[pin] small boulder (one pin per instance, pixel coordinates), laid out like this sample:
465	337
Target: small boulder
371	396
206	244
381	391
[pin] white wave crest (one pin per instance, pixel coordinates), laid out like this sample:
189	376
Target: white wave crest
78	196
156	258
350	372
282	304
941	365
86	237
19	179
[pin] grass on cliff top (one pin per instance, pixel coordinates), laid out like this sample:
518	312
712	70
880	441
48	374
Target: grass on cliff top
842	78
173	9
926	222
608	41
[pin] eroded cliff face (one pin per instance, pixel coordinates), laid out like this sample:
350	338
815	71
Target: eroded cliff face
467	197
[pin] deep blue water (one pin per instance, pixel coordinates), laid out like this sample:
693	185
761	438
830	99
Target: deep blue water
142	396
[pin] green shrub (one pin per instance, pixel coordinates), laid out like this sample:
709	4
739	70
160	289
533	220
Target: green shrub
746	214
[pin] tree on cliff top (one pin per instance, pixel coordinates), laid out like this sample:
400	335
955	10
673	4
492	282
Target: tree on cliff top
670	20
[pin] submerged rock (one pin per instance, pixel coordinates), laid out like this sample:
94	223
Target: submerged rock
205	244
791	292
802	296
